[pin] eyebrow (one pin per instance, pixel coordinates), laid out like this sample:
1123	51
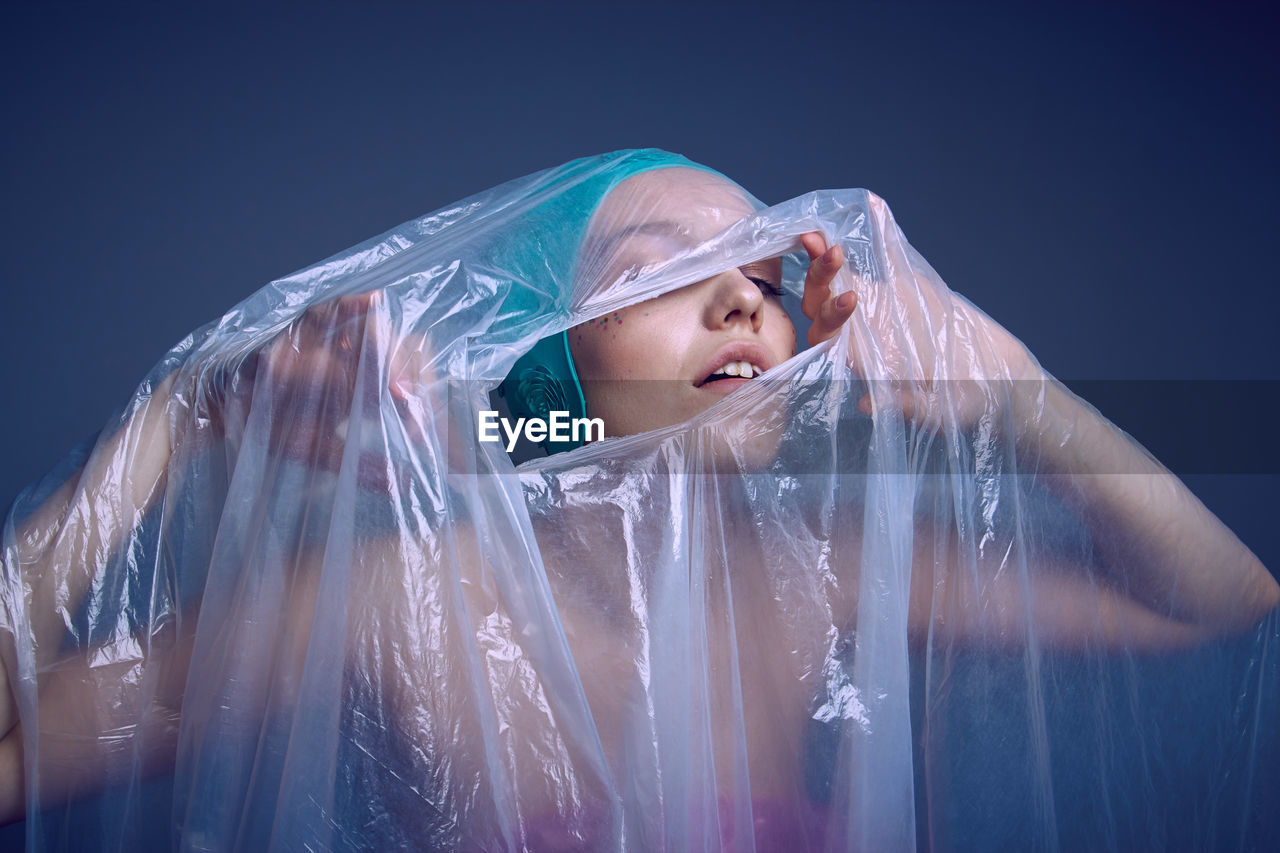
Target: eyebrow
670	227
654	227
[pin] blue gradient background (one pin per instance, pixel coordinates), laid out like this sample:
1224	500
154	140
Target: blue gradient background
1100	178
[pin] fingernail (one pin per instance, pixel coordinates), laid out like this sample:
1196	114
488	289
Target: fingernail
845	301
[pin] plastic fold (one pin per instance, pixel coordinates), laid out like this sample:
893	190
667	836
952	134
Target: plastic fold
289	600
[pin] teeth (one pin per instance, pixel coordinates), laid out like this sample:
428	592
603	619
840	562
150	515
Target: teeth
744	369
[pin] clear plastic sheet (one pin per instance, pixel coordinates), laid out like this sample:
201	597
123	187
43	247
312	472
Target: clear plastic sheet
901	591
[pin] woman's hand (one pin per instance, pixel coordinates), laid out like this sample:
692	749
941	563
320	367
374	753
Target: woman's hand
942	359
324	377
825	312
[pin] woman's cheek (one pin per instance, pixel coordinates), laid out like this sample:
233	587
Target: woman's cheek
599	345
638	342
605	323
609	329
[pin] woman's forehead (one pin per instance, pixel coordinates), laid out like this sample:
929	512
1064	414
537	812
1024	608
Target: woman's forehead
691	203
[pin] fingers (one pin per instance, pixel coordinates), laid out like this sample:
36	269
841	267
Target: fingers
827	314
831	316
308	376
324	341
817	282
955	404
914	406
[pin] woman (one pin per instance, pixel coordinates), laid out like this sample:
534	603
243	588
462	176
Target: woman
300	567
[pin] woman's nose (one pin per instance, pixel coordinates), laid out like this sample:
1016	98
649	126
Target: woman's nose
734	299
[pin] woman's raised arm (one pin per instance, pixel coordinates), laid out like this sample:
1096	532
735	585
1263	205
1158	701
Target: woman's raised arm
63	549
1167	571
1156	541
67	541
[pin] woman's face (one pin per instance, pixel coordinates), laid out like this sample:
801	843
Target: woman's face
663	361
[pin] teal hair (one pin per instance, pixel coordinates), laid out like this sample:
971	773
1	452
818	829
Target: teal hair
545	378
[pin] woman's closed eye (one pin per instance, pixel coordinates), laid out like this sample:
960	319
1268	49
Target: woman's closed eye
768	288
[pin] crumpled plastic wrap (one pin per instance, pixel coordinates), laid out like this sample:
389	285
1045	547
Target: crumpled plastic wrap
290	601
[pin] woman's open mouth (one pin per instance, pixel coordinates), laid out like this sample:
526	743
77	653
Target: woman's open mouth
734	364
735	370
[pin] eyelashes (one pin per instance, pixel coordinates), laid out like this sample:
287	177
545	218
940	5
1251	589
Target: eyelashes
767	287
